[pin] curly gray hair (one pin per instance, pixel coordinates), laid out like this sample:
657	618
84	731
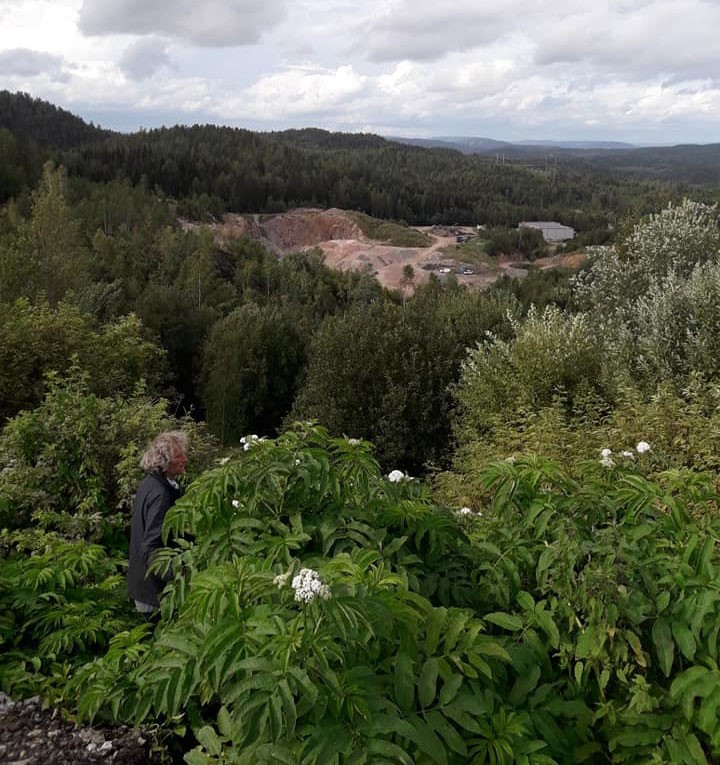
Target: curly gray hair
160	452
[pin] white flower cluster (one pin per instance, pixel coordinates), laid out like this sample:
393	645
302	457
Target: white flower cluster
249	441
395	476
281	579
465	511
354	441
606	460
236	504
308	586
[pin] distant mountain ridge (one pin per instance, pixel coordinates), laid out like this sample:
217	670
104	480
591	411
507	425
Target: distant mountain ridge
482	145
211	169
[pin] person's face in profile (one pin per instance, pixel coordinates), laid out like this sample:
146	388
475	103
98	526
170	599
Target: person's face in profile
177	463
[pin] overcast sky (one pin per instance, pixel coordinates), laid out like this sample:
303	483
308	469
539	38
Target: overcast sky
643	71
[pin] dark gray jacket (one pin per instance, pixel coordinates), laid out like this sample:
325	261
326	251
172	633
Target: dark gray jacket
154	497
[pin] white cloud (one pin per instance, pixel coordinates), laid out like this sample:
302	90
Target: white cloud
675	38
429	30
144	57
299	91
574	68
211	22
23	62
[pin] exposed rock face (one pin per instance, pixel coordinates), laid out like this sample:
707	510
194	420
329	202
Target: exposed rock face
291	231
306	228
30	735
345	247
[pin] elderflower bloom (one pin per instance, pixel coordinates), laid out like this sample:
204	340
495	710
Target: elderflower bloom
607	461
605	453
464	511
249	441
235	503
629	454
281	579
354	441
642	447
395	476
308	586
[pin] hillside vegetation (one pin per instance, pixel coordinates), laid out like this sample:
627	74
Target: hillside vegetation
461	527
210	169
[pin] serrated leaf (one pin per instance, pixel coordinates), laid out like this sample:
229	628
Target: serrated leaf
684	639
450	689
446	730
224	722
663	601
664	645
195	757
525	601
428	742
288	703
428	682
547	625
578	672
504	620
435	624
389	750
524	684
209	739
687	679
404	682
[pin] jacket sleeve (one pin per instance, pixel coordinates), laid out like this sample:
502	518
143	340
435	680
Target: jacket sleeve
155	511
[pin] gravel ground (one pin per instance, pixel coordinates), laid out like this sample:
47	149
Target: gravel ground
31	735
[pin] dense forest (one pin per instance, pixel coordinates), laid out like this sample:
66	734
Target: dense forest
461	527
210	169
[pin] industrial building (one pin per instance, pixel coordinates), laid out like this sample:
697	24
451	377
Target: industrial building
551	231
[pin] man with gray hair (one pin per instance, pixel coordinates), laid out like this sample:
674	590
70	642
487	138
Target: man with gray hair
163	461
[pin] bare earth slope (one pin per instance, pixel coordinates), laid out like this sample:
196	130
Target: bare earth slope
345	247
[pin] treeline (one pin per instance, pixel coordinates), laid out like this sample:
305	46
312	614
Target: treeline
691	164
45	124
235	335
212	169
209	170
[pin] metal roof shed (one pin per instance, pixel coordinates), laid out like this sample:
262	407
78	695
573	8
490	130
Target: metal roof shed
551	231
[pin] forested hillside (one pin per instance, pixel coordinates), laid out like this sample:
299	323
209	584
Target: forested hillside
210	169
458	527
45	124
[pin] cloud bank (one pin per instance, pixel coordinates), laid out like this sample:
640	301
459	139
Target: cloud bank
640	70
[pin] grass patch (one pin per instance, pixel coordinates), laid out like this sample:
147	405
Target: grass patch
394	234
472	252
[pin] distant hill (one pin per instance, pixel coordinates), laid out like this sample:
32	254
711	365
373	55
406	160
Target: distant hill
315	138
578	144
693	164
464	145
209	169
481	145
47	125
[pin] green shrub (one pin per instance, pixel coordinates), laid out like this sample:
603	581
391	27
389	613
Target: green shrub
386	664
552	354
61	602
72	464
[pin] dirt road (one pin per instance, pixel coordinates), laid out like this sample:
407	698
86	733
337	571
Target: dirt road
345	247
